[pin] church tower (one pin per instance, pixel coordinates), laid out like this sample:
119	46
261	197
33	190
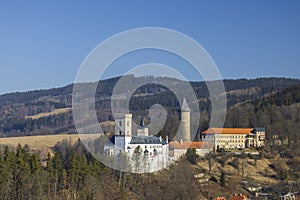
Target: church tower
185	121
123	124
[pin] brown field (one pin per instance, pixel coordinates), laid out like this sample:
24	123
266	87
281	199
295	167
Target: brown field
44	142
46	114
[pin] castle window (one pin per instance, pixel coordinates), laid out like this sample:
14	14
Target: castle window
146	152
120	123
120	132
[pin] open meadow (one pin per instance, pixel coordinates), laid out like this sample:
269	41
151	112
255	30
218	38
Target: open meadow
43	142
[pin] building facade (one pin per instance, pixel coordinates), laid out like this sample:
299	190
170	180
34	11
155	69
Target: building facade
234	137
178	149
143	153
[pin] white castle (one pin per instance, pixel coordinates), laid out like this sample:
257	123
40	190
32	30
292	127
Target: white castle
144	153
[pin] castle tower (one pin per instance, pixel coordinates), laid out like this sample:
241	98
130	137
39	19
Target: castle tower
185	121
142	130
123	124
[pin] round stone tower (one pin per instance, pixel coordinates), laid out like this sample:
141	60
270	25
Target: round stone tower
185	121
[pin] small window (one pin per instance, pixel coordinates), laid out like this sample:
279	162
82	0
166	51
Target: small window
120	132
120	123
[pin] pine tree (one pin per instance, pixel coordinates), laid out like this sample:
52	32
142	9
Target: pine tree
51	178
57	169
5	178
34	163
222	179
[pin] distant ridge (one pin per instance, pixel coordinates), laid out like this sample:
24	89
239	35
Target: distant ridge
16	107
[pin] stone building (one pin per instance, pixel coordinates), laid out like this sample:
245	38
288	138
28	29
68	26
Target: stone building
144	153
178	149
185	121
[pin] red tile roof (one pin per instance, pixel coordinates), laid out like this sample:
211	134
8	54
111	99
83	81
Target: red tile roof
220	198
191	145
238	197
228	131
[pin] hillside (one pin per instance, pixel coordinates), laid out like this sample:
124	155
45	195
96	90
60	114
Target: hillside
278	113
44	143
45	112
78	173
218	174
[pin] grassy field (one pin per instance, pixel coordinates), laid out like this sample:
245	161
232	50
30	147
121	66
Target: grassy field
44	142
46	114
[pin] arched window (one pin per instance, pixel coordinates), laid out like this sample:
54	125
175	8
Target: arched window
146	152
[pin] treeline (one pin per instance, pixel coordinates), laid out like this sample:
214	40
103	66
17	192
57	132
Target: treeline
52	124
15	106
72	173
23	176
286	97
278	113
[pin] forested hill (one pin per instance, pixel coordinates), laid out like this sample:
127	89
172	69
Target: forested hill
279	113
105	87
48	111
286	97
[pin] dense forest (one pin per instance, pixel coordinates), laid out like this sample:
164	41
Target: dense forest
72	173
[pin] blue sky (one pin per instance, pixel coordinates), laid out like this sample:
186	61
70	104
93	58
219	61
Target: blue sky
42	44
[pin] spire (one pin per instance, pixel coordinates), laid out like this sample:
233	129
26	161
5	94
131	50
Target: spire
142	124
184	106
142	130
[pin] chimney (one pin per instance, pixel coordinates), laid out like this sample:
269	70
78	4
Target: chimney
160	138
181	142
167	139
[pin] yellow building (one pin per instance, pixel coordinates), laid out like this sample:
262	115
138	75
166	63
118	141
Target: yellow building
234	137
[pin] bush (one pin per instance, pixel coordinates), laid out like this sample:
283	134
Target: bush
270	156
235	163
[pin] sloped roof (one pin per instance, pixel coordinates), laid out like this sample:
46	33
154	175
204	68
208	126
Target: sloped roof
145	140
238	197
259	129
228	131
191	145
220	198
184	106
